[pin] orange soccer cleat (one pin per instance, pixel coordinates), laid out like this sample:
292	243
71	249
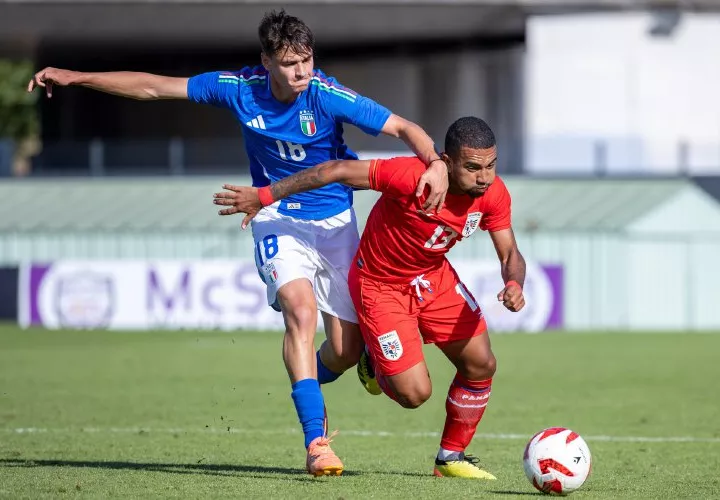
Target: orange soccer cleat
321	460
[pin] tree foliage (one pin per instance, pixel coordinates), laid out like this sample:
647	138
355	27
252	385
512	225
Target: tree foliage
18	111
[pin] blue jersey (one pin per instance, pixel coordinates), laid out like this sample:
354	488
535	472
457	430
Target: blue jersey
282	139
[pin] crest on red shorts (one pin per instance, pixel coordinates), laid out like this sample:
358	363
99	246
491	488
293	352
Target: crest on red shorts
472	223
391	346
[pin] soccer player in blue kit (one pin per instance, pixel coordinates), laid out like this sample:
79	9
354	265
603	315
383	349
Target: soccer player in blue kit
292	118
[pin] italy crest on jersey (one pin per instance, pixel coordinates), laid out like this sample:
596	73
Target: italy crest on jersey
307	123
471	224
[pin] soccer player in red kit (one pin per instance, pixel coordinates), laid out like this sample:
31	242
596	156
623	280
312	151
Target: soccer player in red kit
403	287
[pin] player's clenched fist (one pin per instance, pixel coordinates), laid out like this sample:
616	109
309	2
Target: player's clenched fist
48	77
240	199
512	296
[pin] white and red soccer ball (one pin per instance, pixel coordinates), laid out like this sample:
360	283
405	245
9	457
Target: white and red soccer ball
557	461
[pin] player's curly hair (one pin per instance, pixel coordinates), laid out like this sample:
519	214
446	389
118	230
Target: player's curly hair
279	31
468	131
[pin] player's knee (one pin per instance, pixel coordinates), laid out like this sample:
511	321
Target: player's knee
301	318
415	397
482	368
492	365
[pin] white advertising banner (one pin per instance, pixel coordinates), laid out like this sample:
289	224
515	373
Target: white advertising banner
142	295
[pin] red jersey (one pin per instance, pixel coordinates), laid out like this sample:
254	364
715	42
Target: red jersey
401	241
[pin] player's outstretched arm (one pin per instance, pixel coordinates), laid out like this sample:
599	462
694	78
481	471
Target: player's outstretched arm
354	173
512	265
142	86
436	176
250	200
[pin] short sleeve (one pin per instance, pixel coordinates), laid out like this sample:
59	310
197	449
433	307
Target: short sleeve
219	88
498	217
350	107
396	176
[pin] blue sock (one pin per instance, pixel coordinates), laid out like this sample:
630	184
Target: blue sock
310	408
325	375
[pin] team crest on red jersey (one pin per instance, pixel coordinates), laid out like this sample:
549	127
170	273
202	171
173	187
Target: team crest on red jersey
307	123
472	223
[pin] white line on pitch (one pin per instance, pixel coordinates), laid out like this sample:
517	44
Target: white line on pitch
368	433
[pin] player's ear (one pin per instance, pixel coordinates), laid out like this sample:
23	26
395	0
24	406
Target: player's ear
265	60
448	161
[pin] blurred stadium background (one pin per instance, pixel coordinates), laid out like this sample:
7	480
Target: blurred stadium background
606	111
608	121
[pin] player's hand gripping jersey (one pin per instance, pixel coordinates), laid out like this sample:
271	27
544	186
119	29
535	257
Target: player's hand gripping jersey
401	281
282	138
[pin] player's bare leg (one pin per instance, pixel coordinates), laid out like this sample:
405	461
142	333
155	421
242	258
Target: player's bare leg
472	357
343	349
410	388
299	308
343	346
465	405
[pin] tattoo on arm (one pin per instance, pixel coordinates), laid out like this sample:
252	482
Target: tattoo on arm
306	180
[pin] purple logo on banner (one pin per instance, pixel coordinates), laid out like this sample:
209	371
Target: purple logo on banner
84	299
555	275
79	299
180	292
36	275
543	290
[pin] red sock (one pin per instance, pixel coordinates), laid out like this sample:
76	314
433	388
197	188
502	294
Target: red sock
465	406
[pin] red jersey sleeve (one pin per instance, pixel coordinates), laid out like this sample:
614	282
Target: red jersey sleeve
497	216
396	176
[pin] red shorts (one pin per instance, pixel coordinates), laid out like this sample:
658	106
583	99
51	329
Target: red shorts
394	322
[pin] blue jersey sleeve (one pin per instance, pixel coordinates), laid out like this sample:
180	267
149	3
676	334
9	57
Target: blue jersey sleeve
350	107
219	88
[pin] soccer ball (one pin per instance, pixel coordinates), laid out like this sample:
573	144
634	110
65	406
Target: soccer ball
557	461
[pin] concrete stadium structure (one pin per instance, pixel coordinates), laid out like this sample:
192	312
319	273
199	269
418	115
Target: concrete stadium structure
444	58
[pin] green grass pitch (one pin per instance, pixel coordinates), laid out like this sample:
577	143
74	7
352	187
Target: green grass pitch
208	415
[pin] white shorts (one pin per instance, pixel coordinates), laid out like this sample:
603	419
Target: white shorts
321	251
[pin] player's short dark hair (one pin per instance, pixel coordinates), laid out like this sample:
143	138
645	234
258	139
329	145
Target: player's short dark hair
470	132
278	31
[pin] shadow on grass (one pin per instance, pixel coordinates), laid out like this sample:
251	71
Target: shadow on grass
509	492
197	468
